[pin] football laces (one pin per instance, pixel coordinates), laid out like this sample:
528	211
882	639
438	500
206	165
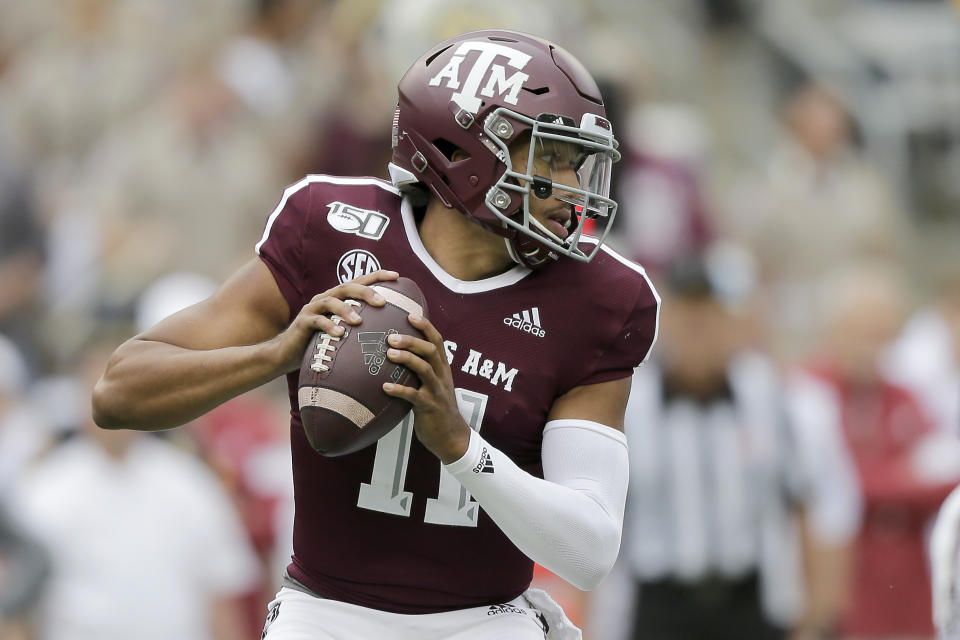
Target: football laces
325	347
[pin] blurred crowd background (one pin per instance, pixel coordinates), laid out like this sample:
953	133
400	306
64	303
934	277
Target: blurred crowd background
790	180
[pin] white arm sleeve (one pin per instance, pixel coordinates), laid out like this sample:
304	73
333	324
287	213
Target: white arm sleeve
570	521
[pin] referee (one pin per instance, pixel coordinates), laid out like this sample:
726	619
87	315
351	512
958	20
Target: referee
726	461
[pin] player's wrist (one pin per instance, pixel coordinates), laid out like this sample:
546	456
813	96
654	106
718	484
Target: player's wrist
471	453
274	355
454	445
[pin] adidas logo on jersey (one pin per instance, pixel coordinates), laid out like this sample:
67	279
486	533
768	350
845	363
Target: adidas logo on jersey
495	609
527	320
486	463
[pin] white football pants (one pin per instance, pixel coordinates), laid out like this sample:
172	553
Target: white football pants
294	615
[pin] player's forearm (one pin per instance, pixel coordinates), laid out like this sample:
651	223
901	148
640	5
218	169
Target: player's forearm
826	580
571	522
225	615
152	385
554	526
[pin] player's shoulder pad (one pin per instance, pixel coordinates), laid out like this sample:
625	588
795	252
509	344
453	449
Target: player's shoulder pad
319	194
611	274
621	287
610	266
347	186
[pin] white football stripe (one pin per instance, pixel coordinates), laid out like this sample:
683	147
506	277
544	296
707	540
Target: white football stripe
399	300
336	402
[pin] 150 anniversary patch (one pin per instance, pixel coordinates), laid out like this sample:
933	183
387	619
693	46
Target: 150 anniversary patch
365	223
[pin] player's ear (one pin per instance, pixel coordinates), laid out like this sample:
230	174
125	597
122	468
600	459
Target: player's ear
459	155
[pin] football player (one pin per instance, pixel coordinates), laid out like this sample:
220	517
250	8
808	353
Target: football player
514	451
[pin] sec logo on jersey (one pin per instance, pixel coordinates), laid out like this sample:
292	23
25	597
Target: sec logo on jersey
356	263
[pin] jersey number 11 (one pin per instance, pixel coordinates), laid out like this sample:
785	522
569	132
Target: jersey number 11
453	504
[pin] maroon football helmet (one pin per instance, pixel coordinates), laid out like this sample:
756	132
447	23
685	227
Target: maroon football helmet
478	93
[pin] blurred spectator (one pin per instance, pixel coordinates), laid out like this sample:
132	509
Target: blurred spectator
24	567
50	79
244	441
169	294
178	528
661	192
358	120
23	432
258	65
285	66
905	467
407	28
81	65
926	356
199	136
726	461
22	251
820	205
23	563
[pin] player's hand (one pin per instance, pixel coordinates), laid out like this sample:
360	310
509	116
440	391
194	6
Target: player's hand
437	419
288	347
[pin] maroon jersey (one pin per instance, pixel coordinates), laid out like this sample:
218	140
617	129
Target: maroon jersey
387	527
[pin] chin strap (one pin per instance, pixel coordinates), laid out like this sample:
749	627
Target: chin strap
530	253
533	254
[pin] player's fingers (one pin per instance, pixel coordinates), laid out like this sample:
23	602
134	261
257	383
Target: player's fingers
329	305
426	327
419	366
426	350
316	322
441	366
399	391
355	291
376	276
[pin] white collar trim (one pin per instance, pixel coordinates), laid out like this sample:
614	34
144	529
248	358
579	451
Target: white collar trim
505	279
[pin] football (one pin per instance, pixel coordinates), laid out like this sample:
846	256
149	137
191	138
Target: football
343	407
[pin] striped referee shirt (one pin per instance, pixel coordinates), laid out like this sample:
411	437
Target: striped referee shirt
713	483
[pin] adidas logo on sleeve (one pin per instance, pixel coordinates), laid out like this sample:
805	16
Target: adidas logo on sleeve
527	320
486	463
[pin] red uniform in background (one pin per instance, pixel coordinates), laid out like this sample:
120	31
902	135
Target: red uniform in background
890	590
241	442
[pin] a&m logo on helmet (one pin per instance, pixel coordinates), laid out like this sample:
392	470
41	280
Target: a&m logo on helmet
496	80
